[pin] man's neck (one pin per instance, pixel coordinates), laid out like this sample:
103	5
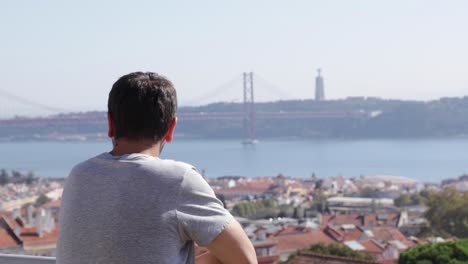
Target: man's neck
124	146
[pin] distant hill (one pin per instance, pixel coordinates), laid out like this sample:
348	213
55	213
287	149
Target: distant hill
349	118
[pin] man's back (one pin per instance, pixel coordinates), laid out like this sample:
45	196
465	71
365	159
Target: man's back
129	206
136	209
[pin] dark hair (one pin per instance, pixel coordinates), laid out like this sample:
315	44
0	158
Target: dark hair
142	106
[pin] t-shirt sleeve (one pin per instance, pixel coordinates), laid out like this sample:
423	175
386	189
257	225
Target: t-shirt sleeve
201	216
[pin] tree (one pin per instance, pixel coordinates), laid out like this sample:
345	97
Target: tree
426	193
412	199
269	203
286	210
320	202
30	178
403	200
26	205
333	250
370	193
4	178
41	200
296	213
16	174
318	184
265	208
448	213
438	253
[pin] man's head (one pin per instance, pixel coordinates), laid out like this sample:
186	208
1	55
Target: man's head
142	106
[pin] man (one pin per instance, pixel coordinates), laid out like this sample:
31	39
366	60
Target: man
130	206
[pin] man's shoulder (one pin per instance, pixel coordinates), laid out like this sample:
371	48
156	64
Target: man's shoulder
84	165
178	164
105	162
168	167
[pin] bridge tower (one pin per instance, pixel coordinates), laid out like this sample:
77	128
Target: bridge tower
249	110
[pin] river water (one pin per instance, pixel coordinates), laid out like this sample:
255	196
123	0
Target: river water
423	160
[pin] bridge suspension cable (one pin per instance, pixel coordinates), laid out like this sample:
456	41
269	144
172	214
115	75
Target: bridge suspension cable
236	82
14	105
283	94
220	89
31	103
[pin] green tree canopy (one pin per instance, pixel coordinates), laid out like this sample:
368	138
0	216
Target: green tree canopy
41	200
439	253
412	199
320	201
265	208
448	213
333	250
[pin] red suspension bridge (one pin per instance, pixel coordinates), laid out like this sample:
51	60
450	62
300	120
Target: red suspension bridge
13	106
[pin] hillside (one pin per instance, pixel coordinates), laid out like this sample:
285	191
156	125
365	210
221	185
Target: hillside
349	118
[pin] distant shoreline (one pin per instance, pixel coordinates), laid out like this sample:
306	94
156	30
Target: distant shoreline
349	119
272	139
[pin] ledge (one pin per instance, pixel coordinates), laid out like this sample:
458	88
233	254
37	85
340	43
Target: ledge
23	259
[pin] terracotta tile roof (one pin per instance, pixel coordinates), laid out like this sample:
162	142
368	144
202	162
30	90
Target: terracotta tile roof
333	233
397	235
290	230
391	233
7	239
367	220
12	224
311	258
388	261
353	234
339	234
267	259
34	239
5	213
295	185
28	236
342	219
382	219
371	246
252	187
267	243
28	231
295	241
382	233
7	235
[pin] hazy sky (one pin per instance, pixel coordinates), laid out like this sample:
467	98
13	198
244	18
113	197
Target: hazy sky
67	55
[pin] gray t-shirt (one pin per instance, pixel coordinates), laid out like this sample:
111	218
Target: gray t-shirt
136	209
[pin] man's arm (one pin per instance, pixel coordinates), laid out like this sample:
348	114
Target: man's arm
232	246
206	258
202	218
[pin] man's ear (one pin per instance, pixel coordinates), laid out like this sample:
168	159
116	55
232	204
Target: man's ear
110	123
170	132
